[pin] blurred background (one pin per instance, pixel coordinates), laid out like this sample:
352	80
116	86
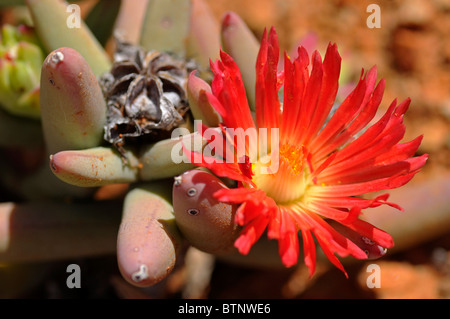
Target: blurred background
412	52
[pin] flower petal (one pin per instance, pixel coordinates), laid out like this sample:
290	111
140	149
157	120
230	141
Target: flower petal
328	92
267	83
250	234
288	241
228	88
309	251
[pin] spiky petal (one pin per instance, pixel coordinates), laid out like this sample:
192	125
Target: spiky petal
324	163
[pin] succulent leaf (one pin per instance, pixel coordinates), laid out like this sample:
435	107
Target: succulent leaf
239	42
20	63
148	240
166	25
100	20
199	104
208	225
426	207
15	131
50	230
72	103
166	158
124	30
204	36
94	167
50	18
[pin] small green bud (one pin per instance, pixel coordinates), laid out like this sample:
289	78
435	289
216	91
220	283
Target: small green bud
20	62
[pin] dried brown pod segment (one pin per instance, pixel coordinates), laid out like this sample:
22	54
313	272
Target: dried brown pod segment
146	95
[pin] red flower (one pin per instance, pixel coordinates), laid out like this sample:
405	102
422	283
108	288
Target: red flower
321	166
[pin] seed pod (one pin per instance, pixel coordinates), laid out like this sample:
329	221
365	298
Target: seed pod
204	221
145	94
148	239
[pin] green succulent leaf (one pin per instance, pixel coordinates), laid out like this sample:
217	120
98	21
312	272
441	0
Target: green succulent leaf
51	230
20	62
94	167
101	19
73	107
17	131
242	45
203	42
166	25
201	109
15	3
148	240
165	158
206	223
53	22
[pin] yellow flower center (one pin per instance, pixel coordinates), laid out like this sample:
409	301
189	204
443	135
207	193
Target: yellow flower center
284	175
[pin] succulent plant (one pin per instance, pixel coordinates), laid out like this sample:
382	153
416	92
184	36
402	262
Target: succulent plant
107	120
21	58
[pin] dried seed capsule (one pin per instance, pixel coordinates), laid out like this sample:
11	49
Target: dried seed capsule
145	94
204	221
